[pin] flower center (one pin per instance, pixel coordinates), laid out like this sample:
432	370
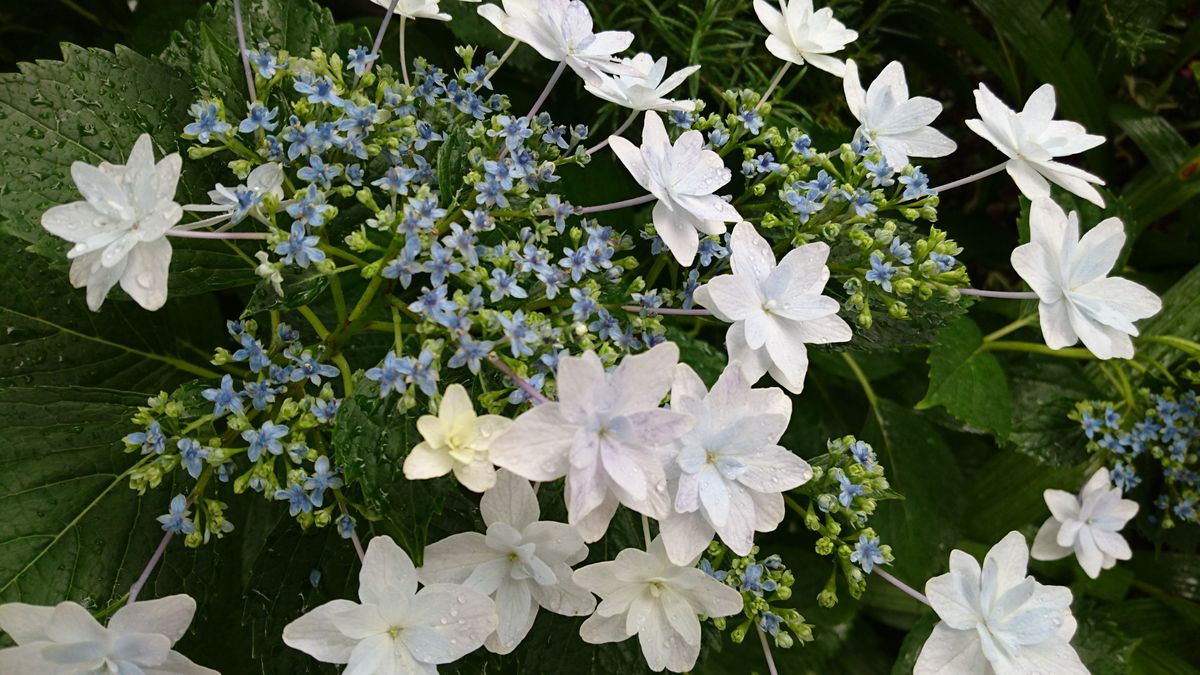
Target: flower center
769	306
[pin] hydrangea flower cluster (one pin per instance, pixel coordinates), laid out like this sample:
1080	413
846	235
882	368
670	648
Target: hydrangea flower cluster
763	584
1152	439
260	433
848	483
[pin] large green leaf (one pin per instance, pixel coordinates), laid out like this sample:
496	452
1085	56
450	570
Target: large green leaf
1180	316
91	107
50	337
74	529
923	526
207	47
968	380
1044	393
1007	495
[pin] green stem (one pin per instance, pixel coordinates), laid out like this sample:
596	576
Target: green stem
339	300
314	321
868	390
396	330
1035	348
347	380
1014	326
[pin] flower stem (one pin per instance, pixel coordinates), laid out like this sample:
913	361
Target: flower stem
537	105
358	547
1035	348
517	379
137	586
1003	295
774	83
972	178
403	57
667	310
620	130
241	34
908	590
1014	326
503	59
387	18
868	390
636	201
195	234
646	531
762	638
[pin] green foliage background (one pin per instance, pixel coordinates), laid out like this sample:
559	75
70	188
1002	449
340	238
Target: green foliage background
970	436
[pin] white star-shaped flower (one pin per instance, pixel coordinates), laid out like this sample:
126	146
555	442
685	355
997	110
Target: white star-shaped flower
798	34
523	563
68	639
775	309
396	629
647	90
1076	300
235	203
418	9
120	228
606	434
1088	525
457	440
896	124
643	593
997	619
561	31
731	470
1032	139
683	177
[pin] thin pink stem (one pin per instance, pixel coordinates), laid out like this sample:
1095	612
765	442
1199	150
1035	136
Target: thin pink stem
537	105
621	129
241	34
191	234
667	310
517	379
908	590
358	548
136	588
762	638
636	201
387	18
970	179
1004	295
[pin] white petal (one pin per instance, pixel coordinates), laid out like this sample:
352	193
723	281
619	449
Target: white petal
424	462
948	651
25	623
145	275
72	623
643	380
169	616
565	597
472	618
750	254
511	501
315	634
1045	544
954	595
537	444
1031	183
478	476
1064	505
631	156
451	560
386	569
598	630
677	229
686	536
516	611
856	97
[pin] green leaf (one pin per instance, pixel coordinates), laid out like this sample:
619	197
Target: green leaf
1007	494
206	48
453	163
74	529
968	380
49	337
371	439
1044	392
300	287
1040	33
91	107
707	360
1165	147
1180	316
923	526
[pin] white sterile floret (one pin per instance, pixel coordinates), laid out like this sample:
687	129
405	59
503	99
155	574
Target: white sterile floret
896	124
683	177
799	35
1077	301
416	9
457	440
395	629
606	434
1032	139
643	593
66	638
730	471
561	31
1088	525
523	563
120	228
997	619
775	309
649	89
233	204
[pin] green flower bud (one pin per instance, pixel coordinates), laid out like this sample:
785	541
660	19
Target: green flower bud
929	213
827	598
738	634
194	539
904	286
783	640
824	546
200	151
898	310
